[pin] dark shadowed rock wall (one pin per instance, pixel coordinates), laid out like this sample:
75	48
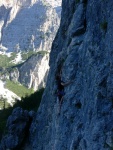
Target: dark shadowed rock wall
83	52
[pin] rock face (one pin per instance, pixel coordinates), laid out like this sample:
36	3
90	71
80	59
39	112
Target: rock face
18	126
33	73
29	24
83	51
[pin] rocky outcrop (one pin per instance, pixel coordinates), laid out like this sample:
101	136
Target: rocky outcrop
29	24
18	125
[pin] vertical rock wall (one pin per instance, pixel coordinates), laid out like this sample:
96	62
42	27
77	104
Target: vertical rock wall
83	51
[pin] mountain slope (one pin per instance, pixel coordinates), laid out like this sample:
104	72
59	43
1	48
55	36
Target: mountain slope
26	28
29	25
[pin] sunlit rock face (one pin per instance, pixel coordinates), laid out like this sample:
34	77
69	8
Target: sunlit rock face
33	73
27	25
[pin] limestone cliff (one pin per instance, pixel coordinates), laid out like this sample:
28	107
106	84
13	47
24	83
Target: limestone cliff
82	51
33	73
27	25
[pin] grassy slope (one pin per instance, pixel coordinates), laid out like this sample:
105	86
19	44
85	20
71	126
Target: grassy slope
5	61
18	89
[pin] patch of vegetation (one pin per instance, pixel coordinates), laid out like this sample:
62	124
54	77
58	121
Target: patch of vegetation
42	36
45	3
4	114
5	61
18	89
43	52
77	1
26	55
104	25
3	103
30	102
13	55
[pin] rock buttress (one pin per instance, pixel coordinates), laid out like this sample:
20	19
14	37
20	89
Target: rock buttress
83	52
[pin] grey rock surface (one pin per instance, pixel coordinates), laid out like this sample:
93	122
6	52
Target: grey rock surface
33	73
82	51
18	125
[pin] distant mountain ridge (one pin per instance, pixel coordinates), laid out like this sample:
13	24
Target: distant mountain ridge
27	25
